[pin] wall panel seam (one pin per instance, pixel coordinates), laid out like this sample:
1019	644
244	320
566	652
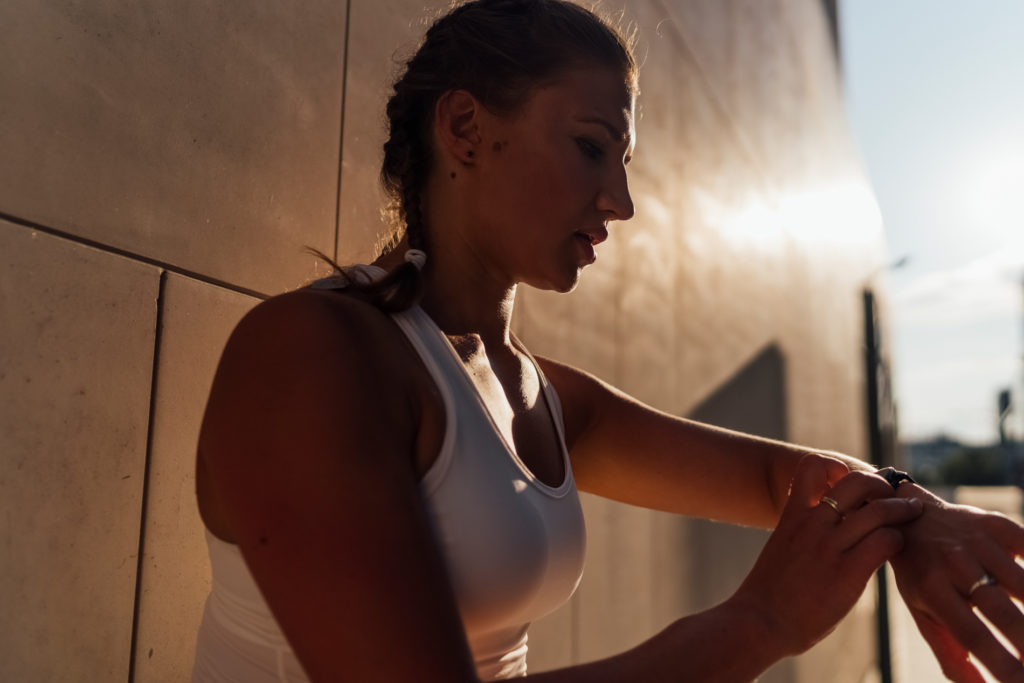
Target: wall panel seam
134	256
140	556
341	130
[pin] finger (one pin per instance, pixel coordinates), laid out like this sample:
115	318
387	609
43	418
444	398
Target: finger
997	607
835	469
1001	566
952	657
1007	533
867	555
810	481
981	560
966	573
877	513
977	638
857	488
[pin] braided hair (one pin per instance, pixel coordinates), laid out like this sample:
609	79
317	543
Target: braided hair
497	50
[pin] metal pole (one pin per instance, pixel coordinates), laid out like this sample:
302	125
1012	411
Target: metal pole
876	454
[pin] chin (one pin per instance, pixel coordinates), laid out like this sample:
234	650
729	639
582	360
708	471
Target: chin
563	284
569	286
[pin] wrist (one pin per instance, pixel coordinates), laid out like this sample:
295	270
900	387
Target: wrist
760	634
729	643
914	490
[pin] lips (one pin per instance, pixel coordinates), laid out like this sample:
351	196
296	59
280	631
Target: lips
587	240
594	235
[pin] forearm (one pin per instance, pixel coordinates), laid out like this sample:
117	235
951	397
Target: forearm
728	643
646	458
630	452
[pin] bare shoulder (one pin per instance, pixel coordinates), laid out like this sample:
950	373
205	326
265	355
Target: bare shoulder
579	393
588	402
305	377
308	346
306	451
314	335
307	320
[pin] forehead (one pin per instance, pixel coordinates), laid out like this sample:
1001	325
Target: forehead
597	95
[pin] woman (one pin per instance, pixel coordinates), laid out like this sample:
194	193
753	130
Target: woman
390	485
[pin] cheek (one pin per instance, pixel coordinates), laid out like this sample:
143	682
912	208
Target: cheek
549	183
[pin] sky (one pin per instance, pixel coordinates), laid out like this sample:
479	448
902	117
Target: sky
935	100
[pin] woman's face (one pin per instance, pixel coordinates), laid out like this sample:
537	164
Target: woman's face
552	176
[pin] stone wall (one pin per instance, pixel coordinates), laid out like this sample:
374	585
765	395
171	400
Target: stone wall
163	166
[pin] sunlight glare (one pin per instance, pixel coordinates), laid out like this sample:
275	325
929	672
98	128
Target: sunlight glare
839	213
995	195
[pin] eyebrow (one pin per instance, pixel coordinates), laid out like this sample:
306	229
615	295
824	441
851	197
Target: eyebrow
616	134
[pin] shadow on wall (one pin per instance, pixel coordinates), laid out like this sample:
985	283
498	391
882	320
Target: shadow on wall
753	401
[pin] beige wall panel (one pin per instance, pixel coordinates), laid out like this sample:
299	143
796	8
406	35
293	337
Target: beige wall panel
581	328
552	639
704	186
200	133
615	595
646	326
829	413
382	33
764	61
730	251
195	324
671	569
76	342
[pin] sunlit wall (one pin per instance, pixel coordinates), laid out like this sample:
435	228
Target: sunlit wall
162	167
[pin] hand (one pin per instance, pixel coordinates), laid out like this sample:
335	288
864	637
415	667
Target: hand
947	550
818	560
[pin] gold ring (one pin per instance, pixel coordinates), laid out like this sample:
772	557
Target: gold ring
985	580
831	502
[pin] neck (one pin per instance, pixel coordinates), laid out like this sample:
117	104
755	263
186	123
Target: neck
461	295
468	305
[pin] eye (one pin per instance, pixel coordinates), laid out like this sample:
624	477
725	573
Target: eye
590	149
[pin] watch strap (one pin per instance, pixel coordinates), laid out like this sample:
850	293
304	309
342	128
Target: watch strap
894	476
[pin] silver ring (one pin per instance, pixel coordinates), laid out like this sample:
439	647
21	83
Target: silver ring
985	580
832	503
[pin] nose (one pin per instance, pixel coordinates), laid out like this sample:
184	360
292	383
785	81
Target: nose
614	199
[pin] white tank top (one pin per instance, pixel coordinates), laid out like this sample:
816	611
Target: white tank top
514	546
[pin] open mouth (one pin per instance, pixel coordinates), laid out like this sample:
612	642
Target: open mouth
586	249
593	237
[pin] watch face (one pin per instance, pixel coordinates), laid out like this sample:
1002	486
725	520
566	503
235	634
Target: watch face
895	477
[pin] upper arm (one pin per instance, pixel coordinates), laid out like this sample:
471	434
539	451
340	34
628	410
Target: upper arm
308	440
628	451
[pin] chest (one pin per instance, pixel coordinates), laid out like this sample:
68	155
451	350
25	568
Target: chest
513	395
510	526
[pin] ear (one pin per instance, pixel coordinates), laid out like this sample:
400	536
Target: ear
457	125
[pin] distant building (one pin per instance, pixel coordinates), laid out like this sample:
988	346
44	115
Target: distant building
925	458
